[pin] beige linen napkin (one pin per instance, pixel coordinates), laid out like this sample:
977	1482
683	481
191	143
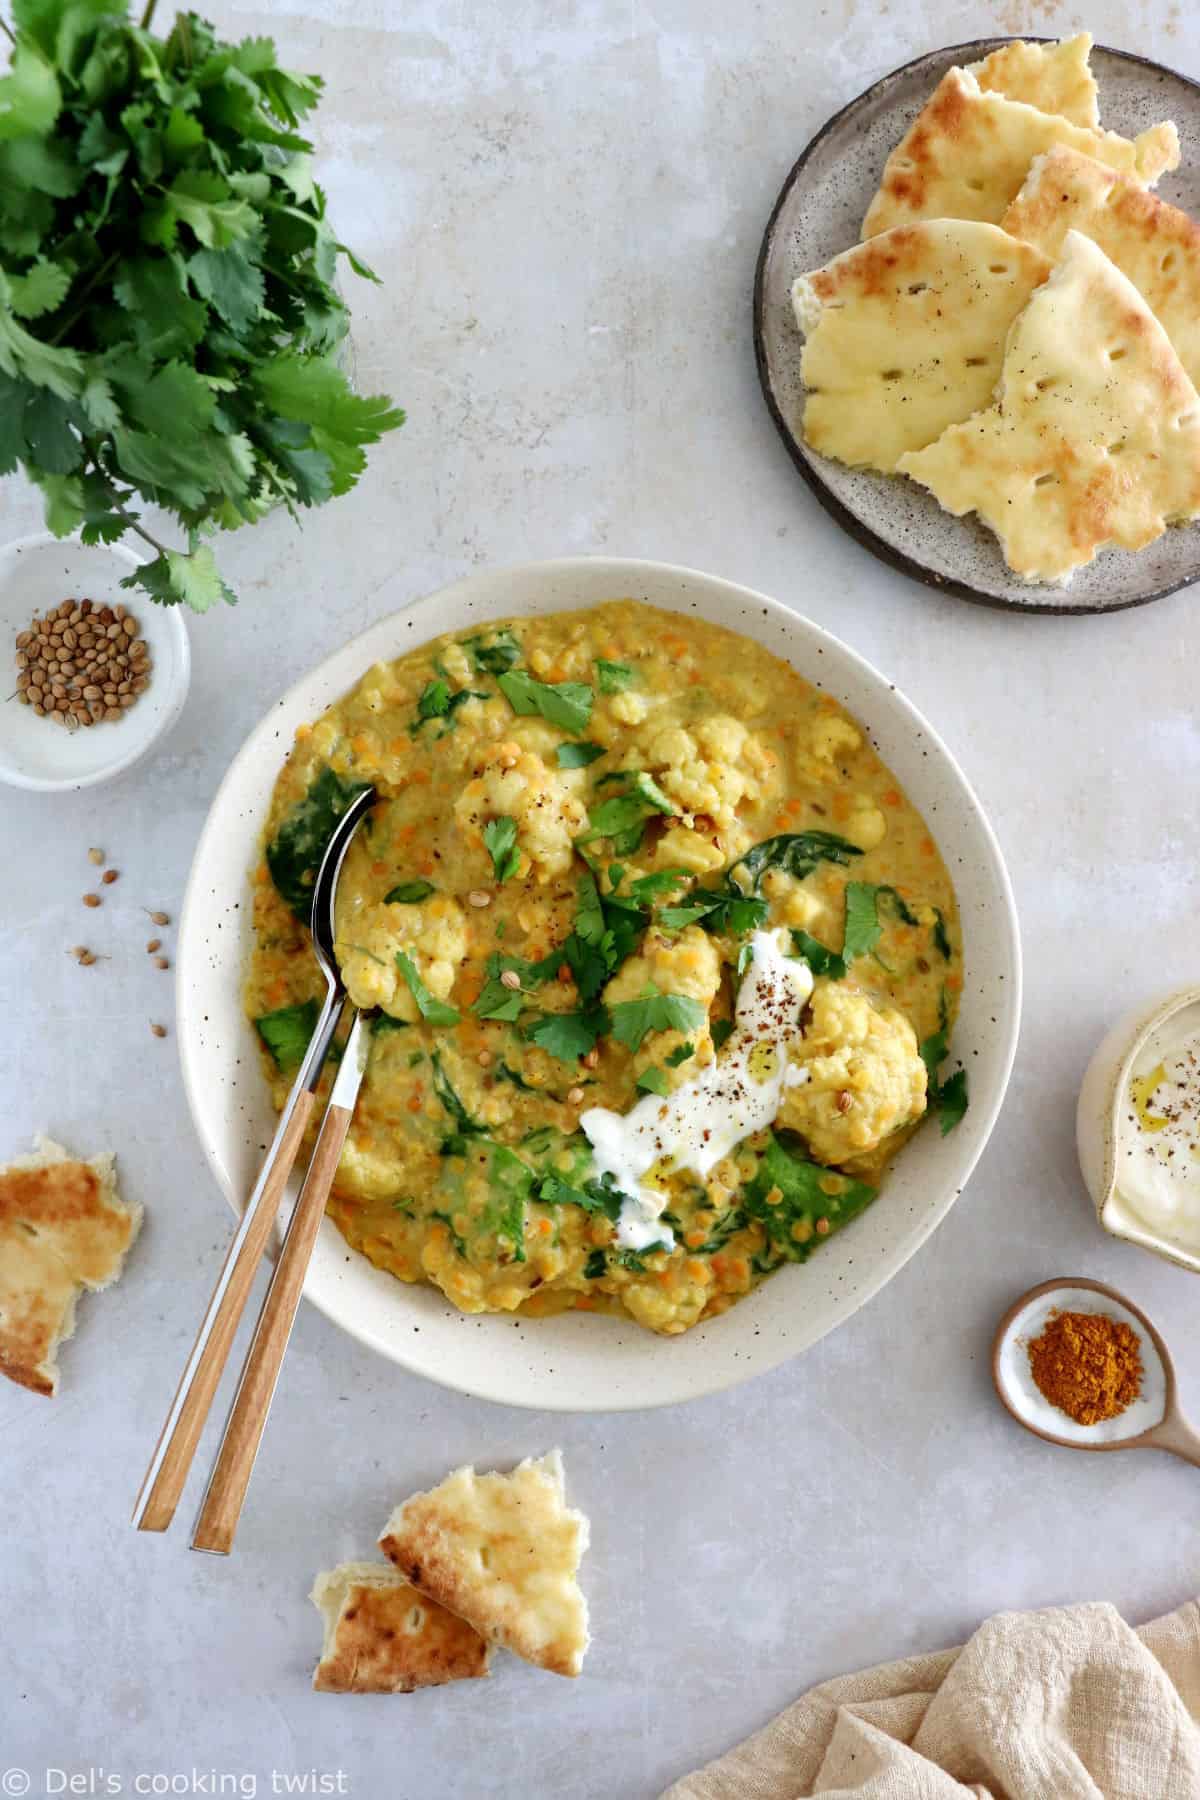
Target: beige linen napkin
1066	1704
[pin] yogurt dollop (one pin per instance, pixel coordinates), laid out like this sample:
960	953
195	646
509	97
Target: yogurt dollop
1158	1140
734	1096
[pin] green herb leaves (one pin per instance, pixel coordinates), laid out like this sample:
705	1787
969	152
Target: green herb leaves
409	893
820	959
437	701
500	840
613	677
578	756
799	1203
567	704
632	1020
294	854
167	298
287	1033
863	928
622	816
492	653
734	906
568	1035
948	1098
428	1005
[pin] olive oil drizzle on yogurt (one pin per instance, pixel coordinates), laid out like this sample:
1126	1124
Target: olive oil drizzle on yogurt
1160	1149
734	1096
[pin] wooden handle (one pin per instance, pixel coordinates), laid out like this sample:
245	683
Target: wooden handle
222	1506
1176	1435
176	1446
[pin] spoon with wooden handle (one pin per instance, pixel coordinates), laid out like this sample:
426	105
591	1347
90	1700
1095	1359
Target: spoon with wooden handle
172	1459
1153	1421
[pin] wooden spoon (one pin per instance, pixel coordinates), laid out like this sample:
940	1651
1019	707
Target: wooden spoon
1153	1421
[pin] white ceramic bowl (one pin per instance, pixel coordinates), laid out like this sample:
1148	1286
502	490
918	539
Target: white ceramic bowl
584	1362
1100	1098
36	573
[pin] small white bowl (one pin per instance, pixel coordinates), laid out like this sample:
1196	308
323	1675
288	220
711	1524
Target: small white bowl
37	573
1096	1122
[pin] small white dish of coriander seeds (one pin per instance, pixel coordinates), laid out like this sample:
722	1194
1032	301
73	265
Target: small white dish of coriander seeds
95	673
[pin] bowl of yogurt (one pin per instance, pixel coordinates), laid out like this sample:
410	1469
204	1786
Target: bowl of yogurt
1138	1128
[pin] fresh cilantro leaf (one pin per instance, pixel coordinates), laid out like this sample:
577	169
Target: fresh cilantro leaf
596	1265
613	677
173	579
863	928
652	1081
600	1197
578	756
500	841
409	893
567	704
495	653
680	1054
949	1098
632	1020
42	289
820	959
287	1033
30	97
436	701
428	1005
635	1260
500	1001
383	1024
722	1031
294	854
568	1036
733	908
952	1100
622	816
792	1198
662	881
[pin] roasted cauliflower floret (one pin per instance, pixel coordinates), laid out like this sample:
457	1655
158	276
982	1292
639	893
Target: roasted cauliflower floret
545	805
705	770
866	825
433	934
833	736
687	964
680	848
865	1077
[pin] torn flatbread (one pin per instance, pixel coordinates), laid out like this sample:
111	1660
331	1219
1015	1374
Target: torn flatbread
1056	78
383	1637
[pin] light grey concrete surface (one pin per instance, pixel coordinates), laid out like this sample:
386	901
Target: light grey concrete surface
565	203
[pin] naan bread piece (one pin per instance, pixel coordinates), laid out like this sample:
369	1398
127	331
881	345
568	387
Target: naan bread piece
966	154
1094	435
383	1637
501	1551
62	1229
1056	78
905	335
1156	245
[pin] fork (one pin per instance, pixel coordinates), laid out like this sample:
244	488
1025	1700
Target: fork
168	1471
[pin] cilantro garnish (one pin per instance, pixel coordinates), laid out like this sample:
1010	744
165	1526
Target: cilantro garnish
653	1081
287	1033
500	840
734	908
436	701
820	959
168	298
613	676
680	1054
622	817
949	1098
567	704
722	1031
863	926
409	893
428	1005
632	1020
455	1143
568	1035
498	653
578	756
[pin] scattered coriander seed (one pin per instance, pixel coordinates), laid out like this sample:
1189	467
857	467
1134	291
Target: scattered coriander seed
574	1096
591	1060
109	876
153	945
160	962
158	1030
477	897
95	856
156	918
91	899
510	979
86	957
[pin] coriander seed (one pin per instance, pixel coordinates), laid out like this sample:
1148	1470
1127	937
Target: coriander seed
91	899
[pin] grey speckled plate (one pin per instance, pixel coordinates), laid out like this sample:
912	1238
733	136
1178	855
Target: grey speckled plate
819	213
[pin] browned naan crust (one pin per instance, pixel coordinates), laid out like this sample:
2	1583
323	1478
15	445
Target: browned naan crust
60	1230
389	1639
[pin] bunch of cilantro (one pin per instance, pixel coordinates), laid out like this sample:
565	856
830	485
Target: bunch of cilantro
168	319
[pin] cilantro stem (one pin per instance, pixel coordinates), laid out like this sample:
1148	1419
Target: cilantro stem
85	290
9	34
147	15
115	505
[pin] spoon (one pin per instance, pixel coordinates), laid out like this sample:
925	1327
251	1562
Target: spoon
172	1459
1151	1422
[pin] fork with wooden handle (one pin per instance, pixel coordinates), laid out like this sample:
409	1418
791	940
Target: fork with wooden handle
222	1505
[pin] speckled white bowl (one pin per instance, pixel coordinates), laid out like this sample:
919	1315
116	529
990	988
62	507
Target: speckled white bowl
1096	1118
581	1362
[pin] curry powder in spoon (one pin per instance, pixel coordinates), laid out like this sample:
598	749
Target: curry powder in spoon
1089	1365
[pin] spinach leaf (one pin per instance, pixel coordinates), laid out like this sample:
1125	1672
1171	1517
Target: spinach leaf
409	893
498	653
723	1229
504	1072
730	907
567	704
578	756
500	840
820	959
428	1005
941	937
467	1127
794	853
287	1032
613	677
456	1237
382	1023
792	1222
294	854
596	1266
722	1031
632	1020
510	1181
622	817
